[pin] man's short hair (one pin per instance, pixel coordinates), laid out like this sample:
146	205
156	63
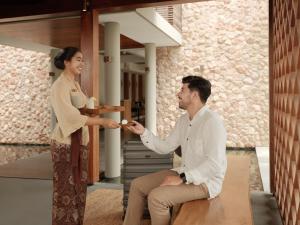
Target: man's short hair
199	84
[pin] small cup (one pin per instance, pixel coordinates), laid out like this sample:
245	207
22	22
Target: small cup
90	104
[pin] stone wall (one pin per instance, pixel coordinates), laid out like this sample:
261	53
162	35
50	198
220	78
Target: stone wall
227	43
11	153
24	96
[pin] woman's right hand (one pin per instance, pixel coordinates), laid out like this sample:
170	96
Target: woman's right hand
105	122
109	123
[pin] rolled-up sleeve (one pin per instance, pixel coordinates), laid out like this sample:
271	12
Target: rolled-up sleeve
162	146
68	117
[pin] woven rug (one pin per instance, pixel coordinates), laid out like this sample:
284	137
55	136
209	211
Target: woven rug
104	207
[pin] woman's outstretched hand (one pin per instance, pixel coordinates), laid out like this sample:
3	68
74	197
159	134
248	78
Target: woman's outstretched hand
109	123
136	128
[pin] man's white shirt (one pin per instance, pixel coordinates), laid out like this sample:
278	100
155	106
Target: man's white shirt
203	146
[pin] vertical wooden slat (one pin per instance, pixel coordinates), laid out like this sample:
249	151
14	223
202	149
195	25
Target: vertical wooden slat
171	13
141	88
271	90
89	80
284	107
126	114
133	88
126	85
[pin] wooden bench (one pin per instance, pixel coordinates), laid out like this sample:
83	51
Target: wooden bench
231	207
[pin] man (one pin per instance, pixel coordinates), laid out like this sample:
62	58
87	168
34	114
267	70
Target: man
202	137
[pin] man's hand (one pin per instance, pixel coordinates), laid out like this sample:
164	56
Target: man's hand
136	128
171	180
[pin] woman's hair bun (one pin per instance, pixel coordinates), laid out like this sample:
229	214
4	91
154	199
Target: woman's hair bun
65	54
59	61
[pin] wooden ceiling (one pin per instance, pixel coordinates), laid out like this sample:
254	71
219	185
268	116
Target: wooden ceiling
18	8
60	32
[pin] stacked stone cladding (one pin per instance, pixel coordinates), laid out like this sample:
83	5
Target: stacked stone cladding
226	42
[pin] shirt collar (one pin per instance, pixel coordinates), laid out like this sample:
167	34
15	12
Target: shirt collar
199	113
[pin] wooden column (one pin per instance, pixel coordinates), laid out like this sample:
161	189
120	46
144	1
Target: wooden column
126	85
141	88
89	81
133	88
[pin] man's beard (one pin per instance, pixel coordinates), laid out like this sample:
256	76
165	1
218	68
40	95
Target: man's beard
181	106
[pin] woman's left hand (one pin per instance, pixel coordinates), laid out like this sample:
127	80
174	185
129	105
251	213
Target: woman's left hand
109	123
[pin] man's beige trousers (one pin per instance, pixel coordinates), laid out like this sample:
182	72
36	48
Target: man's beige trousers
160	199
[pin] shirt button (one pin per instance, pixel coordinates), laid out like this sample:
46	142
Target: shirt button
190	125
187	139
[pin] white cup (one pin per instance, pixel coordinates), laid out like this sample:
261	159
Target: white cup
90	104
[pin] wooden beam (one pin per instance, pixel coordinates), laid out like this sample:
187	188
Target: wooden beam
122	5
51	31
10	9
90	81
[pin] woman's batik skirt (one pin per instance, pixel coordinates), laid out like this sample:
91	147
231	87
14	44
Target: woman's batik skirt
69	197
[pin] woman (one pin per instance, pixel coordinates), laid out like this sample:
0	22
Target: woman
69	140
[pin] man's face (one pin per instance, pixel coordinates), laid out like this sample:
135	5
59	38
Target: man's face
184	96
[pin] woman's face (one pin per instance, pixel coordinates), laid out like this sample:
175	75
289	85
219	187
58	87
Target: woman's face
75	65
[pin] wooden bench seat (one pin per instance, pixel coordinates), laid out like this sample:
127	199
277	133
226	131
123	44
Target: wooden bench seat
231	207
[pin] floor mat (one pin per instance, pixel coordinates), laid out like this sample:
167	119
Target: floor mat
104	207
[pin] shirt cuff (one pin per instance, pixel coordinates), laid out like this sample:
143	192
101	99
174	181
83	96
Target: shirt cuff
188	177
145	134
145	137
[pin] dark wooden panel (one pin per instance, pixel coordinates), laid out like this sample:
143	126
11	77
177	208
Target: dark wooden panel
60	32
141	88
54	32
90	81
123	5
18	8
126	84
133	88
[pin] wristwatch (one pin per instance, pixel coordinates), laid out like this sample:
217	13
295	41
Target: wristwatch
183	178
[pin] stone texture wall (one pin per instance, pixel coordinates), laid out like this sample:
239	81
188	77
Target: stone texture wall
227	43
11	153
24	96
